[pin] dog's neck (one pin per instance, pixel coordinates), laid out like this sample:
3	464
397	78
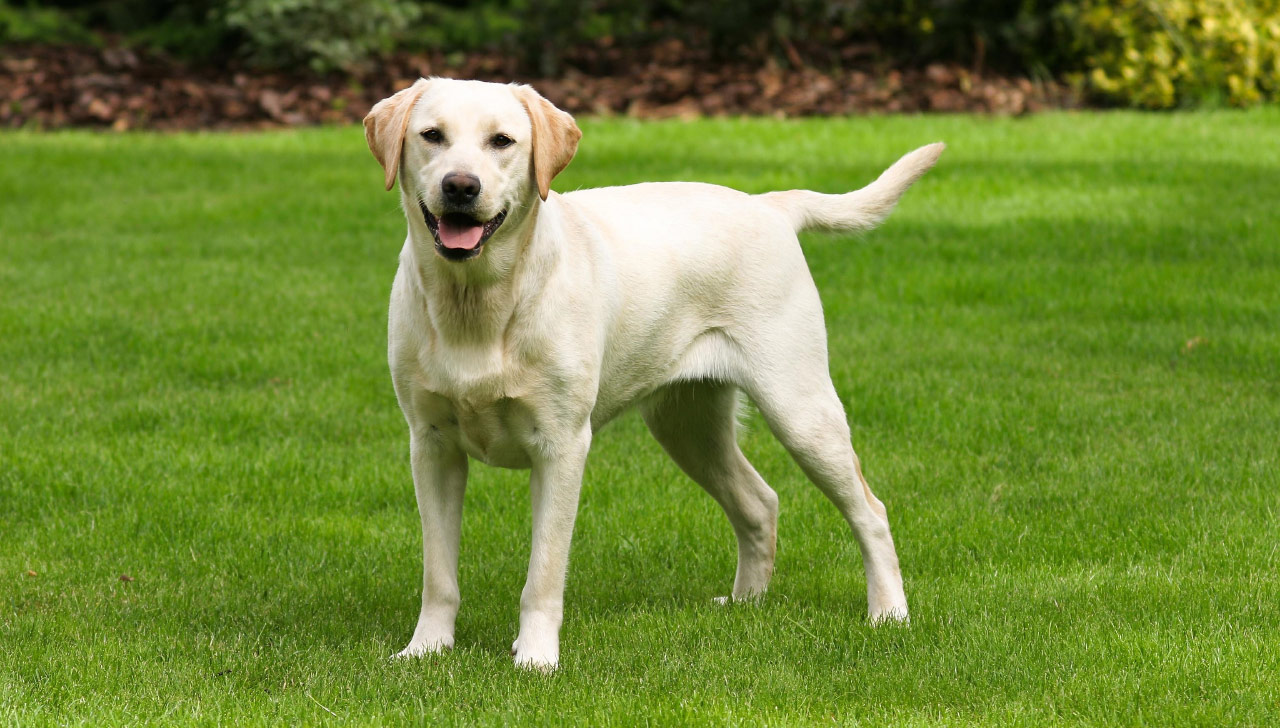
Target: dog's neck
472	302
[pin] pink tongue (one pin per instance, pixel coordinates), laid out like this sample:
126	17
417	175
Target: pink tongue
464	237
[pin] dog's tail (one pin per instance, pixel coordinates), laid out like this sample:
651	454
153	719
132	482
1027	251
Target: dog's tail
858	210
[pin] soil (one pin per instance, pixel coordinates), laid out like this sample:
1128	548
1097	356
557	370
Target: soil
121	88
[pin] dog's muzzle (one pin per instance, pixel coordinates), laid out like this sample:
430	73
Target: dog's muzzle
458	235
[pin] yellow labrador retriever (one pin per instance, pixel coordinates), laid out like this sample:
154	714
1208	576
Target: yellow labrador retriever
523	320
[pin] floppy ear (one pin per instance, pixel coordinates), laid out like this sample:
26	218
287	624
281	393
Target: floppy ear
555	137
385	126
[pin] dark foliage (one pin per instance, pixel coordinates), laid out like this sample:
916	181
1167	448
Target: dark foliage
1007	35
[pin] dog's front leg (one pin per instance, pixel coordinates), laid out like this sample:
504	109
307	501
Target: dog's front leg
554	486
439	478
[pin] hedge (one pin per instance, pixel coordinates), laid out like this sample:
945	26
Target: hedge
1144	53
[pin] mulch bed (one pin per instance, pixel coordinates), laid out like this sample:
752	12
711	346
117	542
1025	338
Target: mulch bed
120	88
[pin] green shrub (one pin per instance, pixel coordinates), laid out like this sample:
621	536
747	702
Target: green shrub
35	24
1006	34
189	29
324	34
1143	53
1172	53
1017	36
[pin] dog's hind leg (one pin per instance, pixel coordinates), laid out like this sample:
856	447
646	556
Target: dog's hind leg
695	422
791	385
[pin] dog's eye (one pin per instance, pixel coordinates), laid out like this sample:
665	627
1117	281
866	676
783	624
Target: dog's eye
502	140
433	135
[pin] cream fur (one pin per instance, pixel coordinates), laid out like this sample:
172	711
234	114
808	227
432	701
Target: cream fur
671	297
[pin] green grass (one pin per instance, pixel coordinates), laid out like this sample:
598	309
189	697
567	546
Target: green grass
193	392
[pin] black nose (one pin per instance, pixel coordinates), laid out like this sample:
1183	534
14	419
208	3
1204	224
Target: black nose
459	188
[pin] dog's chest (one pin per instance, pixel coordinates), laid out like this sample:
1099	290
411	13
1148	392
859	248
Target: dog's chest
498	433
479	403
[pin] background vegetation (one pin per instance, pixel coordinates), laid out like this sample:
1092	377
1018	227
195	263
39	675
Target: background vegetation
1059	359
1146	53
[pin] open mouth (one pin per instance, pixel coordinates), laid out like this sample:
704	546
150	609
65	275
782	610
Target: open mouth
458	235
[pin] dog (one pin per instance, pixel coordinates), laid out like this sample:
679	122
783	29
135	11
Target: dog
522	321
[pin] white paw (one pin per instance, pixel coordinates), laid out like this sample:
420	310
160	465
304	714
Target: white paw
543	658
889	615
754	597
420	647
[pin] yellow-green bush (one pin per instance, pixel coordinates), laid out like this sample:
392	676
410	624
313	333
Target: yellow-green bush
1164	53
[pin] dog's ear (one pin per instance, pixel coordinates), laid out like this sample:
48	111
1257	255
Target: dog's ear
385	126
555	137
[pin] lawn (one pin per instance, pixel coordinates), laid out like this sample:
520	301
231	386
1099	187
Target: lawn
1060	358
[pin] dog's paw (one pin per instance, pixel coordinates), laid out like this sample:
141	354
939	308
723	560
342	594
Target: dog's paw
421	647
749	598
889	616
545	659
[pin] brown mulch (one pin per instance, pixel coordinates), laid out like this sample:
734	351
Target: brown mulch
120	88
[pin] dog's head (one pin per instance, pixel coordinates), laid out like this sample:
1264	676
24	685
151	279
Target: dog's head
469	156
